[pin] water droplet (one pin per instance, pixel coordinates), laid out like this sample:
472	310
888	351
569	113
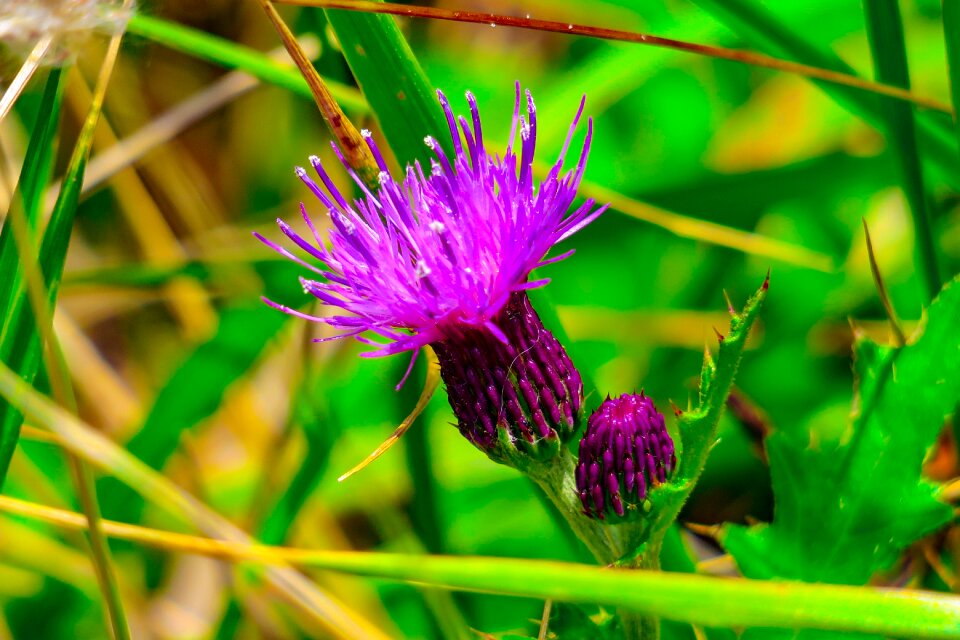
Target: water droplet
493	24
569	27
344	222
524	128
527	16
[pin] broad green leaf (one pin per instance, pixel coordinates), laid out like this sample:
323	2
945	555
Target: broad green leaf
845	510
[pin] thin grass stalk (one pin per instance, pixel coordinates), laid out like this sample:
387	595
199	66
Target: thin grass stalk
734	602
885	33
721	53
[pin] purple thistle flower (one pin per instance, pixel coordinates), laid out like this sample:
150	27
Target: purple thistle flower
443	258
424	259
625	452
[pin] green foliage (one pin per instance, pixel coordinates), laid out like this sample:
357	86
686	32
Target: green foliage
33	180
846	509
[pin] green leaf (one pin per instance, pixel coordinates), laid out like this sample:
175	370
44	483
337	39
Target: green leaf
698	427
846	509
392	80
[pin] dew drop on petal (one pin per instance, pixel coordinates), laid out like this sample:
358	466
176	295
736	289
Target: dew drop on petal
422	270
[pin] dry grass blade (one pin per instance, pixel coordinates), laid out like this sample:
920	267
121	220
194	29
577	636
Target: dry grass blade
746	57
898	334
711	232
429	387
173	122
78	437
355	148
23	76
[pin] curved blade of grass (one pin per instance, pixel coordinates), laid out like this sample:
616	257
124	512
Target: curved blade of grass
757	25
98	450
726	602
235	56
885	33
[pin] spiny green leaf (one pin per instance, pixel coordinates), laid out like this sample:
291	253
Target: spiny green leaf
845	509
698	427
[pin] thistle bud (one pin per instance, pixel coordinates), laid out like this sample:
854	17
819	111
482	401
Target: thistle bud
517	391
625	452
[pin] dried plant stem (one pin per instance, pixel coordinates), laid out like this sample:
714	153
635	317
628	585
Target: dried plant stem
355	149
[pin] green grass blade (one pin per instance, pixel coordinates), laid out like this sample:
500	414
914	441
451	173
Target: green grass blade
392	80
34	176
885	32
235	56
951	32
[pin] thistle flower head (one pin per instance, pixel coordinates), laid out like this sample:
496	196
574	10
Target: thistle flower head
439	253
624	453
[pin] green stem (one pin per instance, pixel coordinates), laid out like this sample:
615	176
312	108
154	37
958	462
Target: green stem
636	625
557	481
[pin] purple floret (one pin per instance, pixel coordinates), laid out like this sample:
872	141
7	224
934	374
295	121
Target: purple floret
424	260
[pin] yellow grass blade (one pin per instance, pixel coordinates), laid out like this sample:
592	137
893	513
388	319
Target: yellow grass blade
429	387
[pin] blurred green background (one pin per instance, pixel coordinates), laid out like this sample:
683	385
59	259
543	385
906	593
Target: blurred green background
172	353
